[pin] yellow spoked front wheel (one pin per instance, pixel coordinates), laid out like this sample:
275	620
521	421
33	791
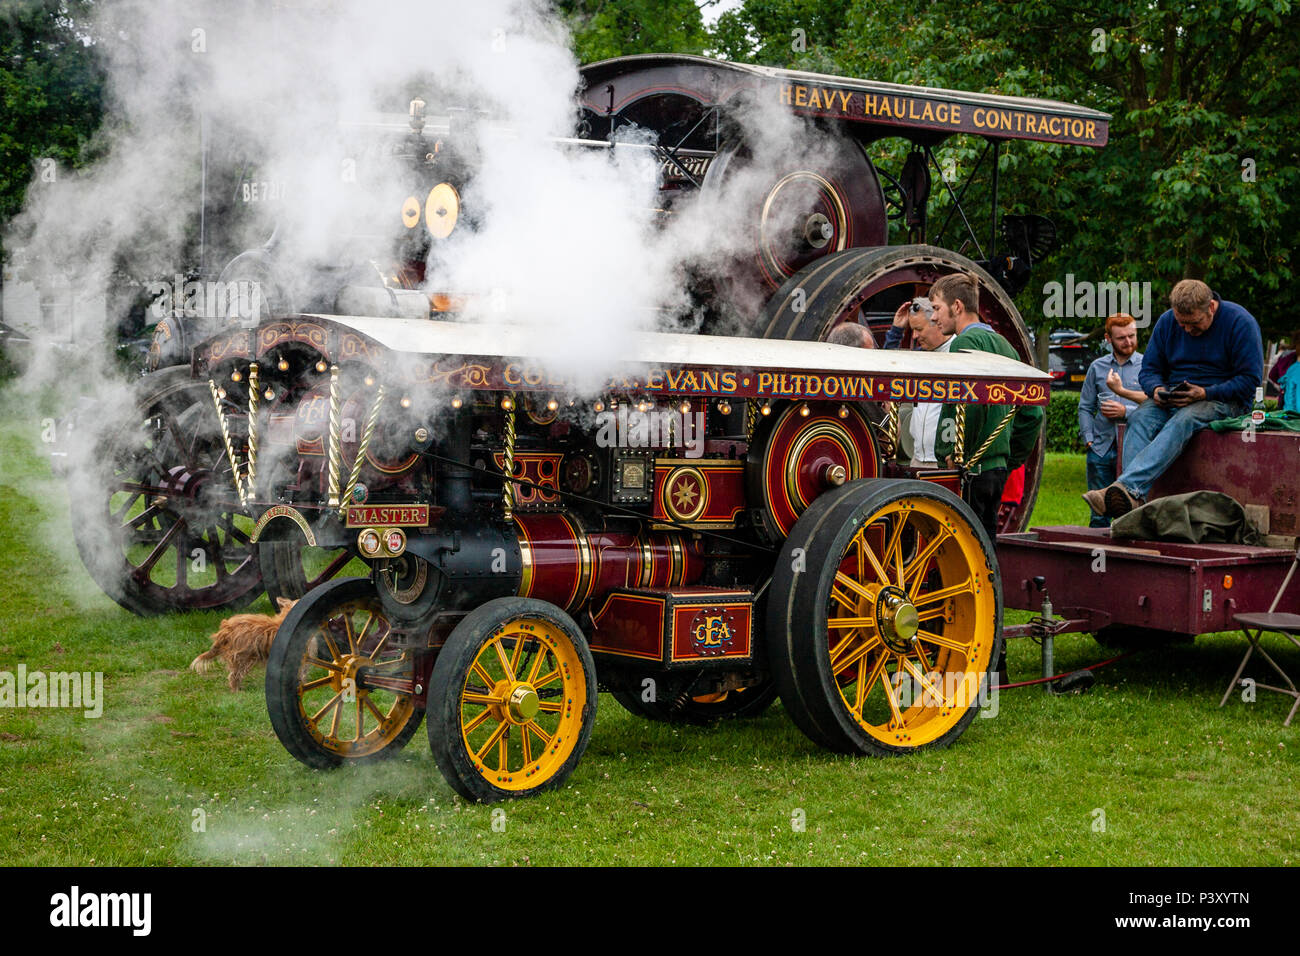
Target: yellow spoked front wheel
885	617
512	700
339	686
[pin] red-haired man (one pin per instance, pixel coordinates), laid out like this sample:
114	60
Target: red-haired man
1110	391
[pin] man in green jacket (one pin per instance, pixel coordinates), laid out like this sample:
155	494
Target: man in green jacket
956	310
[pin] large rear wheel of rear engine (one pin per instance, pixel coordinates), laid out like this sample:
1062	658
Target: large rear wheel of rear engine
868	285
155	514
340	686
884	618
512	700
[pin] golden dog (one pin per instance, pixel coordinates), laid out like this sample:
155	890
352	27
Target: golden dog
241	642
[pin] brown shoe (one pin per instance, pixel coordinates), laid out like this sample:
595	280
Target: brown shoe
1096	500
1119	501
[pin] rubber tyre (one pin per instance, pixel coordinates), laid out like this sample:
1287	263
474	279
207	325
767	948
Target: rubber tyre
630	700
473	646
284	671
803	607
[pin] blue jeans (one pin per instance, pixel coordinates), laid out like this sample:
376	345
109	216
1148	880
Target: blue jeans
1156	436
1101	473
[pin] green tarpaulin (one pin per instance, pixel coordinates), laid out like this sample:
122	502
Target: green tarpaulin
1273	421
1198	517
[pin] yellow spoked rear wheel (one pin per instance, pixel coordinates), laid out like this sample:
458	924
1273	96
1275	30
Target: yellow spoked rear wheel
884	639
904	647
515	695
338	687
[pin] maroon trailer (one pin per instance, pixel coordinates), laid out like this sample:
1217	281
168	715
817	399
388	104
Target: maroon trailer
1261	469
1136	592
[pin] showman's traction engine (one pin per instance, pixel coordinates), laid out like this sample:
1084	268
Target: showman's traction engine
713	522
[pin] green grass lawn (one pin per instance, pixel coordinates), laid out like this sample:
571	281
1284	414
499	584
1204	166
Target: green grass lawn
1143	770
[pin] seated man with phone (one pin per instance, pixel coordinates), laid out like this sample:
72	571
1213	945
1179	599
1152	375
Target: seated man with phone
1204	362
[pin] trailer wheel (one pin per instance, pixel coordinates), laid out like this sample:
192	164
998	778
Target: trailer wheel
155	516
338	688
872	283
512	700
884	617
731	705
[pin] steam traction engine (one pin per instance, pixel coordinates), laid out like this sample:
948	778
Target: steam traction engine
821	219
514	526
525	544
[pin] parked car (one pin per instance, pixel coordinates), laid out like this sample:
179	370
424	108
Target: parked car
15	347
1068	357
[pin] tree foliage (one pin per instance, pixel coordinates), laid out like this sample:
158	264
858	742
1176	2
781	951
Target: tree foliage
1201	176
51	91
609	28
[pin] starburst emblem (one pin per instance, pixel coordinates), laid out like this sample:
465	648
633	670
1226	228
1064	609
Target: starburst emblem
685	494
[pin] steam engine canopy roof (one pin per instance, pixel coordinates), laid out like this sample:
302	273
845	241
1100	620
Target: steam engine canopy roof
527	358
880	108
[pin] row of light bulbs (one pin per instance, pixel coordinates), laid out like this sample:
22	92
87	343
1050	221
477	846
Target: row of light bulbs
642	405
552	404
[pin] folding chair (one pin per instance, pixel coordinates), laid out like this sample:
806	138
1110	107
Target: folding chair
1254	625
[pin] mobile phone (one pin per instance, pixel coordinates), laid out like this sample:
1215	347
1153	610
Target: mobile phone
1180	387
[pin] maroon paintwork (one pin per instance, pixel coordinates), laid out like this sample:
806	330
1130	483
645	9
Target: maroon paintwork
568	565
1162	585
1159	584
1265	471
686	626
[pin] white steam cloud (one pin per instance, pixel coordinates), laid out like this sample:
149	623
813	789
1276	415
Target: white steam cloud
554	235
311	96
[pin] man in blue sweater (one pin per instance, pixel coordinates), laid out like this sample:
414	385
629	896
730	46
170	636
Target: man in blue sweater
1204	362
